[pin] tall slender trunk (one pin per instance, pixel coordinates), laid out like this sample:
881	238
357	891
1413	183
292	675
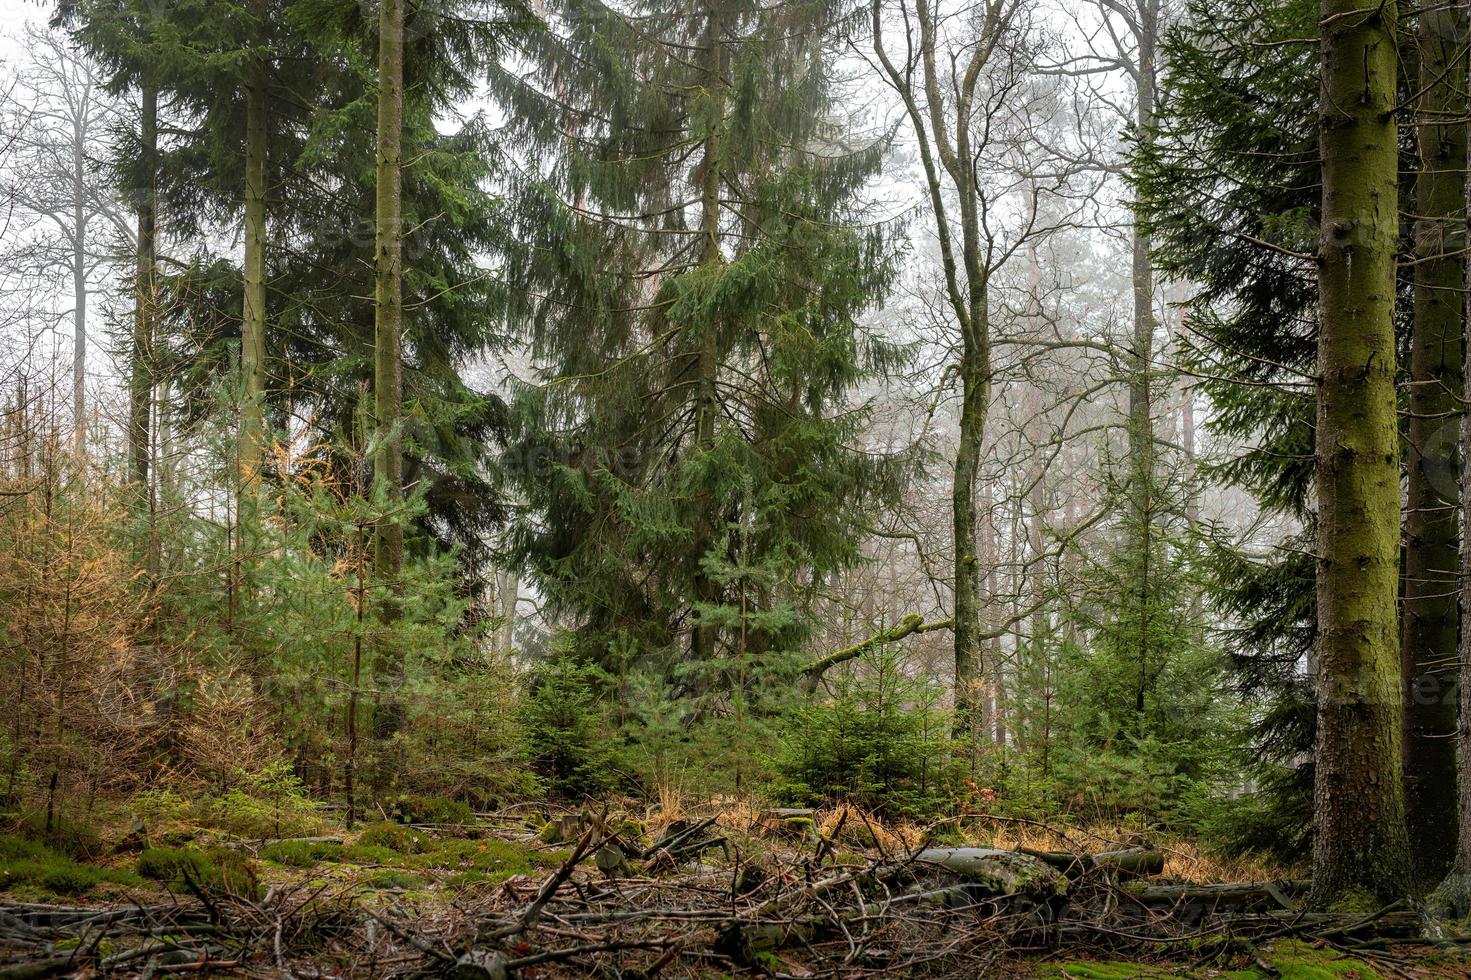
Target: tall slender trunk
253	306
1360	843
1141	379
1454	896
140	382
79	289
1429	619
707	590
251	439
388	540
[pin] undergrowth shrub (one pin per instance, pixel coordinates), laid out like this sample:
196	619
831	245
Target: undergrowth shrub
218	870
433	810
271	802
301	853
29	862
879	740
402	840
68	834
568	737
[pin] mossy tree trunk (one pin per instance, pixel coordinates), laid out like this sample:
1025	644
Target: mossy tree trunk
1429	625
1360	844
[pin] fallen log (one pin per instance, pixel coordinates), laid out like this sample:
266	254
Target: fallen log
996	872
1229	893
1135	861
745	941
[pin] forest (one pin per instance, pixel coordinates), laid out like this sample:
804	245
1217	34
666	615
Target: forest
725	488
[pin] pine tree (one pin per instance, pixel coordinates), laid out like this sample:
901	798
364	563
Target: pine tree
690	264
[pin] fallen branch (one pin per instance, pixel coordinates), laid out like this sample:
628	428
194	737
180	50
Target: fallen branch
911	625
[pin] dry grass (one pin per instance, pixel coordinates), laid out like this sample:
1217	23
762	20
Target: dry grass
1185	858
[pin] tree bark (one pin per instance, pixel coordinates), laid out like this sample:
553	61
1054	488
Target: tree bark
80	214
1360	844
707	590
140	382
388	538
253	310
1141	380
1429	623
1454	895
388	290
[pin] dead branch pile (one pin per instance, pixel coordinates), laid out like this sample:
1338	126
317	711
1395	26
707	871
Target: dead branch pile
938	912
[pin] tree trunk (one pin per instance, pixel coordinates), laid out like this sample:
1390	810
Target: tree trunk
1453	899
1360	845
140	384
253	310
707	590
1429	623
79	289
388	362
969	669
1141	380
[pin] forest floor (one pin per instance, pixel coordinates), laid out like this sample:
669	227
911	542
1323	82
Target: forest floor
720	891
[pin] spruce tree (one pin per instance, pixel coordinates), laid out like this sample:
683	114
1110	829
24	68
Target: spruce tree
1429	617
1228	187
689	262
1360	844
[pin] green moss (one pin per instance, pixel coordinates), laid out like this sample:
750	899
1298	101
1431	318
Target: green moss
433	810
1356	901
1288	960
554	858
1109	971
30	863
1299	961
404	840
300	853
369	854
218	870
386	879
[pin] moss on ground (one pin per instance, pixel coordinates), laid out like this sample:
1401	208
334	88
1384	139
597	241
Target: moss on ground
218	870
29	867
1289	961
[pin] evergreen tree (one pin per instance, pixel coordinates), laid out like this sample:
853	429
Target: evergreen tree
1429	616
1359	806
690	265
1229	189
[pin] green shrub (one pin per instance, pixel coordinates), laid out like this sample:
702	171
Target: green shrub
269	803
300	853
219	870
156	805
433	810
404	840
29	862
567	731
74	837
167	863
880	742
